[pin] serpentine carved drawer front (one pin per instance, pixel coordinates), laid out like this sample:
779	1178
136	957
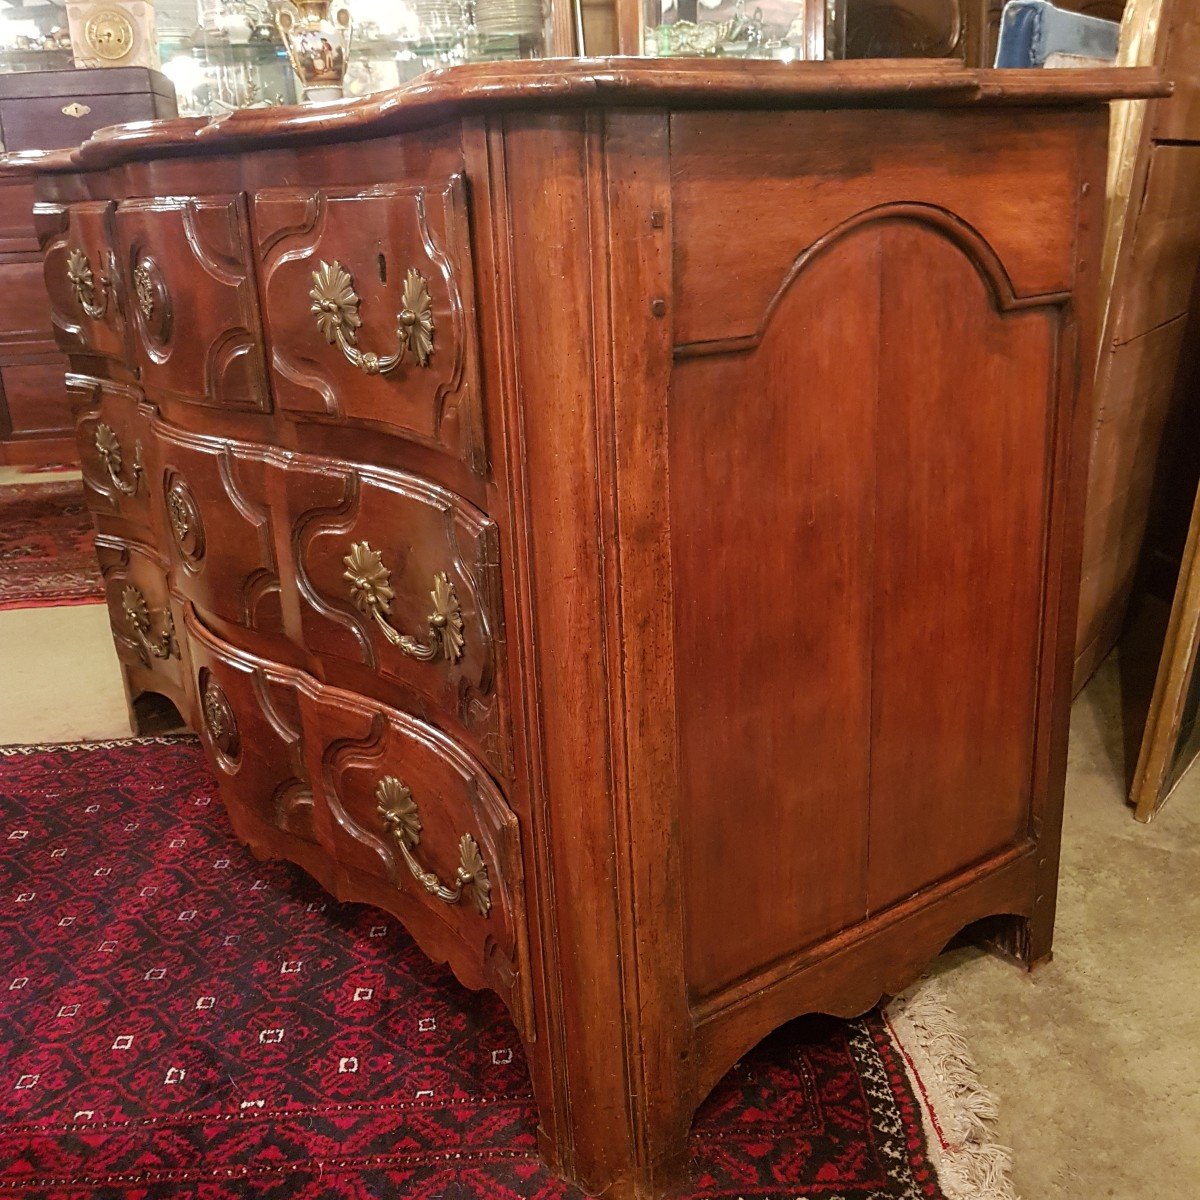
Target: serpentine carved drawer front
399	578
83	278
249	718
378	806
218	524
411	810
370	310
139	608
193	309
112	431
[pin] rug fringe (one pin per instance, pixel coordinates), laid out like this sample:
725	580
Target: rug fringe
159	739
960	1113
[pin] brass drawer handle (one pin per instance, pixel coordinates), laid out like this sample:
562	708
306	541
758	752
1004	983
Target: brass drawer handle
401	819
108	446
371	591
137	617
83	284
335	305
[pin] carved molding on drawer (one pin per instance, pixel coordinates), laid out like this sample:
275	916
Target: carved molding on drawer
310	760
402	576
198	337
375	281
220	526
249	718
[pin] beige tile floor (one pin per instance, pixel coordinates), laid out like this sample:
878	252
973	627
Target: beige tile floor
1095	1059
59	679
16	475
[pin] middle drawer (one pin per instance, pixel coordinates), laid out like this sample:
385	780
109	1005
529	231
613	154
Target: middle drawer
388	584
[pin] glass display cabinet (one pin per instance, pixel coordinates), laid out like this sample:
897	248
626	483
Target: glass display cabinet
226	54
785	30
34	37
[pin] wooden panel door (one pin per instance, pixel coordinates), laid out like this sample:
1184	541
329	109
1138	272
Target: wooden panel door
857	505
964	420
25	325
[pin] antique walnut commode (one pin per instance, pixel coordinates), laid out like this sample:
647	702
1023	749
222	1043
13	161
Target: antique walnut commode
620	517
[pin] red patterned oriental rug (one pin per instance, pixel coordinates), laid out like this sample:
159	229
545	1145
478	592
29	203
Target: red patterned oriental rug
180	1020
46	551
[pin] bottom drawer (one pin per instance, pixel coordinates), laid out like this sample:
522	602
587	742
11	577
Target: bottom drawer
249	718
378	806
141	614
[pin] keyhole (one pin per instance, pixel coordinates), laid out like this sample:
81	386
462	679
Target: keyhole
382	269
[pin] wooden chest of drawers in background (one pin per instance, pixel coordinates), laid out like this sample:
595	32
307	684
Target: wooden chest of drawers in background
47	110
621	518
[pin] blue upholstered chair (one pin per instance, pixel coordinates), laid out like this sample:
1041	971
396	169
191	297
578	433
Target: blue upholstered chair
1033	33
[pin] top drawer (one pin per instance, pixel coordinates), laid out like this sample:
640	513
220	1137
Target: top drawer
192	303
82	278
370	310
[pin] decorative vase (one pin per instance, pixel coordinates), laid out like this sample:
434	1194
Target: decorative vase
317	36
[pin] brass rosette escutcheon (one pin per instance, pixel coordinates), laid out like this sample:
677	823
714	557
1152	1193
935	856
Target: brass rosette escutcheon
402	820
335	305
219	721
187	526
152	300
372	593
143	287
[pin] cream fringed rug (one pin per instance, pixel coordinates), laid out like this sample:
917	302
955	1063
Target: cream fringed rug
957	1110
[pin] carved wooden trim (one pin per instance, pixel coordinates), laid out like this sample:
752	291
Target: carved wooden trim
879	958
968	239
